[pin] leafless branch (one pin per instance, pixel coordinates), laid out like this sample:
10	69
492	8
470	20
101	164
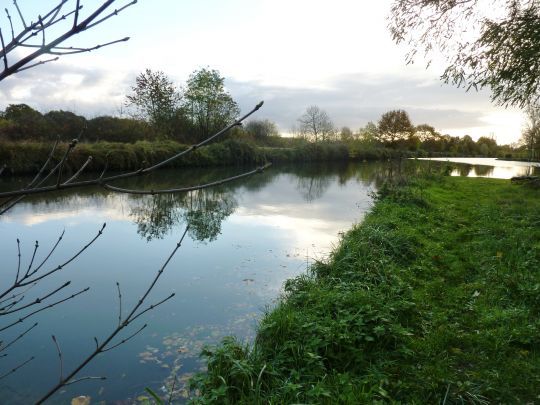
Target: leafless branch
4	347
78	173
190	188
59	357
119	304
36	301
20	320
84	379
126	339
27	35
102	180
16	368
132	316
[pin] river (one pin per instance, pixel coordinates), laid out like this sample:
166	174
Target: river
245	239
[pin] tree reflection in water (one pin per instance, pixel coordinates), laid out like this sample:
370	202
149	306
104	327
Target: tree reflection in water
203	210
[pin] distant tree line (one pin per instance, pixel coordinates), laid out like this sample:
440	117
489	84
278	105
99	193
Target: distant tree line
395	131
158	109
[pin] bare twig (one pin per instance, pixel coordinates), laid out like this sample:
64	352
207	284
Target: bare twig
119	304
4	347
59	357
27	36
36	301
20	320
16	368
133	314
102	180
84	379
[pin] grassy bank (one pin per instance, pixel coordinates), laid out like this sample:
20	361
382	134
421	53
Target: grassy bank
434	298
27	157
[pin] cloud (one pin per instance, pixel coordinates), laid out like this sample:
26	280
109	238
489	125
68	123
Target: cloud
350	99
355	99
59	86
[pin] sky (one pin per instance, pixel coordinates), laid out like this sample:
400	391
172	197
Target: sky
336	54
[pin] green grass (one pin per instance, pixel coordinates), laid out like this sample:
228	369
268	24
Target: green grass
434	298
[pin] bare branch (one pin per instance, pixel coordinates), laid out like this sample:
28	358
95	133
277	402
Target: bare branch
59	357
151	307
103	346
36	301
72	145
119	304
50	252
126	339
115	12
16	368
105	180
20	320
18	294
34	180
84	379
36	246
2	348
27	36
71	51
20	14
59	267
191	188
78	173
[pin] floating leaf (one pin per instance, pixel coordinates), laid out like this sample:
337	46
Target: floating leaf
81	400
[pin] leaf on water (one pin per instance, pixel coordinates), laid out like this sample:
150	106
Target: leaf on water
81	400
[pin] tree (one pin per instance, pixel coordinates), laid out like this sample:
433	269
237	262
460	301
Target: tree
346	134
369	133
207	105
484	46
467	146
114	129
530	137
28	123
65	123
155	99
487	146
394	128
425	132
315	125
261	129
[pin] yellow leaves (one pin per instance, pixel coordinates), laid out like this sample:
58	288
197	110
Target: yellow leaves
81	400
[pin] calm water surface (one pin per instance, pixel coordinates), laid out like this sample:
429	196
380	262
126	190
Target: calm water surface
489	167
245	240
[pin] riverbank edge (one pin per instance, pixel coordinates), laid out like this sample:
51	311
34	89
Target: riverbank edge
432	298
27	157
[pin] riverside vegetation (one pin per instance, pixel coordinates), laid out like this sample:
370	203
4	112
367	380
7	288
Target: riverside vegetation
433	298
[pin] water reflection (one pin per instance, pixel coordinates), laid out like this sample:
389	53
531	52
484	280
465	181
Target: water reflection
203	210
258	232
488	167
